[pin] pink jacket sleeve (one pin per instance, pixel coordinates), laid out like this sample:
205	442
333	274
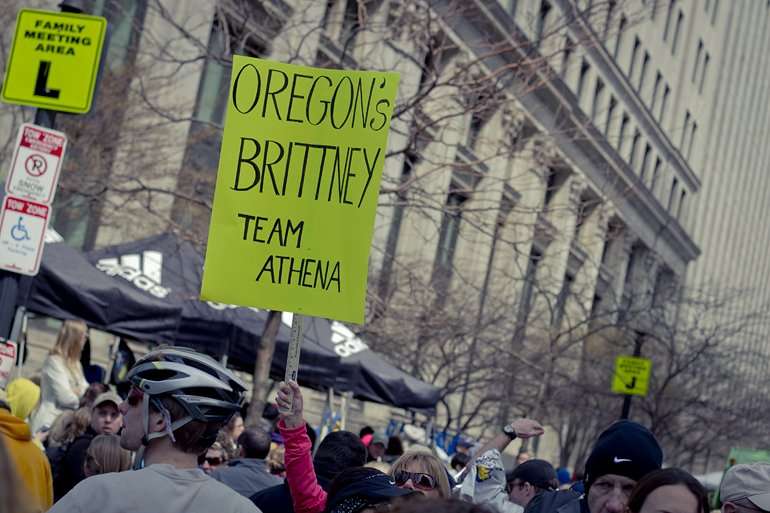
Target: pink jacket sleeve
306	494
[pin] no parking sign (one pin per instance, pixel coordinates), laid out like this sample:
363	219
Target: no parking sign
36	163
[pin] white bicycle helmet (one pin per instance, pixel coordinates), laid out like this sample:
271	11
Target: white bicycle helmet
205	389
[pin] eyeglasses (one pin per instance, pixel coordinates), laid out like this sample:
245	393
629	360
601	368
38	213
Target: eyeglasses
135	396
420	480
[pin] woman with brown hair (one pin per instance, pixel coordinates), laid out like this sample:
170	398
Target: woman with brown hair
62	381
105	455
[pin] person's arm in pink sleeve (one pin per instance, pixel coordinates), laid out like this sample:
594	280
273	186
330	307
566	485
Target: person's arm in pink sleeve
306	494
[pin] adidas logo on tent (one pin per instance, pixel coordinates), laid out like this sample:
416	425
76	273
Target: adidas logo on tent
143	270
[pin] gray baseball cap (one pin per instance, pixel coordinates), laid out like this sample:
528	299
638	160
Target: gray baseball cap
747	481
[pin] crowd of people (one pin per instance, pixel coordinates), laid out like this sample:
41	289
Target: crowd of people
177	443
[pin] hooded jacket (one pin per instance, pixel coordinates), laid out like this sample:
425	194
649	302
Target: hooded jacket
23	396
30	461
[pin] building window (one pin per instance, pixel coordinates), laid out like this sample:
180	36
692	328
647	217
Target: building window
655	91
582	80
677	30
714	12
569	49
610	115
528	287
634	149
655	174
351	24
672	194
542	20
634	56
643	73
703	70
621	36
680	207
215	79
623	128
561	300
611	6
696	65
474	129
685	129
664	103
669	15
447	241
645	162
693	131
598	93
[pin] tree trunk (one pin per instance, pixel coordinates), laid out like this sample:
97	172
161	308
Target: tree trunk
262	367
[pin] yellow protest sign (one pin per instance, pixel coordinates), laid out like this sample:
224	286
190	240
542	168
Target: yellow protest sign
632	375
297	187
54	60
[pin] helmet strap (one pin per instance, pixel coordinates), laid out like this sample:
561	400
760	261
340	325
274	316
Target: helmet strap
170	426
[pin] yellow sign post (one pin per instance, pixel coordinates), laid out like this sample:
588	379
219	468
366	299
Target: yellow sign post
632	375
54	60
297	188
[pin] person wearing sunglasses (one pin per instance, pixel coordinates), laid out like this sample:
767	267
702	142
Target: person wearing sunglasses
422	472
213	457
178	402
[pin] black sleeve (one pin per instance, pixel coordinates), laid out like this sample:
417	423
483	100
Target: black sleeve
72	466
276	499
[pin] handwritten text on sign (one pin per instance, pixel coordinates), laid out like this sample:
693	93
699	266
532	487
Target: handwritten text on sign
299	175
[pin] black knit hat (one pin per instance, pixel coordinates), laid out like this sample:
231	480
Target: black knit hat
626	449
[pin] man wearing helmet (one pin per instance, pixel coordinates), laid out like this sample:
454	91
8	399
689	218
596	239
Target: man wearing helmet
179	399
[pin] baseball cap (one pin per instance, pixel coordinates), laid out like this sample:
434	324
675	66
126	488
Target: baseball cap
538	473
747	481
107	397
627	449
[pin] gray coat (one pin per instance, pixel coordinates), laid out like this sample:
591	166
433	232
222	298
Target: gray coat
246	476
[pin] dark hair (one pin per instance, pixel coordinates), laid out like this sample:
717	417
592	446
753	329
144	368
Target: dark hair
310	434
255	443
93	391
270	412
348	477
421	504
667	477
395	447
366	430
340	450
459	460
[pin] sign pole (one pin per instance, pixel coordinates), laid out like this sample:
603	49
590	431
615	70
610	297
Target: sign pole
626	411
295	346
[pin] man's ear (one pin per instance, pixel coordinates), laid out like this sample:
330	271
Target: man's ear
729	507
157	423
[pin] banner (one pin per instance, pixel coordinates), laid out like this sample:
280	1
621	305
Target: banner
297	188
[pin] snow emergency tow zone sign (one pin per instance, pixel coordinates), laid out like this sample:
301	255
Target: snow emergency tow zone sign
54	60
36	163
22	233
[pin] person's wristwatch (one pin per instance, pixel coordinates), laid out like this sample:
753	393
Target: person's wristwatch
509	431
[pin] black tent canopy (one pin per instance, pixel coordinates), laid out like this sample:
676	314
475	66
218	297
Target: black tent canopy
148	290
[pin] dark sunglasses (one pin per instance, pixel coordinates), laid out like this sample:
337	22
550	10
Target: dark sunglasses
213	461
420	480
135	396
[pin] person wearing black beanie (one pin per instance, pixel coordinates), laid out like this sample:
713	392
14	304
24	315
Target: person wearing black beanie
623	454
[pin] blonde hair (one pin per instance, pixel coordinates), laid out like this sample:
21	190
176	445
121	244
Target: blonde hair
70	341
429	464
105	455
68	426
14	497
